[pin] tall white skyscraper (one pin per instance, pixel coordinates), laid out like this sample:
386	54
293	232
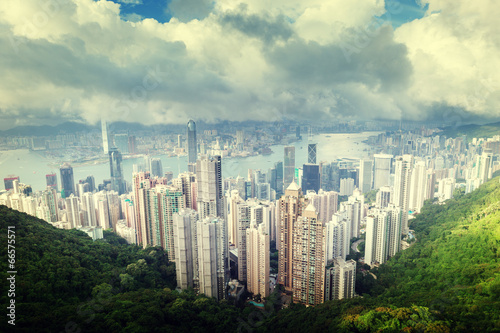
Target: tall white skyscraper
337	238
418	188
186	248
402	178
257	260
210	199
213	254
383	234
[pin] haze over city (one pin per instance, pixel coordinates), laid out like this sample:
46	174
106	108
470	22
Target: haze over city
257	166
164	62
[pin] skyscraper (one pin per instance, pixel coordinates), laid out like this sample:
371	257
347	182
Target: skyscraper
291	206
210	198
289	166
402	178
257	259
186	248
156	167
213	254
365	175
9	182
310	178
382	170
67	180
106	144
311	153
340	278
115	166
51	180
308	257
192	144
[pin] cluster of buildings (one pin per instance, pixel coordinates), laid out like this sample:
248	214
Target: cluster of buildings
208	224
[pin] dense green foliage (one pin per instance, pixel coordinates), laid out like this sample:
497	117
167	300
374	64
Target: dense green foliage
449	280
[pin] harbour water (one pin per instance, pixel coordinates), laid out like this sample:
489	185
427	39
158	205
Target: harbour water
32	167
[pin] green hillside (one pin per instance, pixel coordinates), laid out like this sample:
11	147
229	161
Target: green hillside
448	281
472	131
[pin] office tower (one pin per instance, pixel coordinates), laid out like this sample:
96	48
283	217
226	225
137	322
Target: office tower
115	166
186	181
121	142
169	176
291	206
308	257
9	181
298	176
311	153
340	280
192	143
310	178
82	188
258	260
106	142
346	186
132	145
263	191
326	203
382	170
289	166
383	197
337	237
402	178
186	249
383	234
156	168
51	180
88	208
210	198
213	253
365	175
67	181
73	211
418	187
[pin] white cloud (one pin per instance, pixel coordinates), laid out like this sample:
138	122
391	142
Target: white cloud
256	60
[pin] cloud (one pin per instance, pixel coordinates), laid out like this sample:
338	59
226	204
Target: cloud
131	2
237	60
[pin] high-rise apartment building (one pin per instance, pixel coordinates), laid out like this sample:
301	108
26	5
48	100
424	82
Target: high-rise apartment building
290	208
67	180
289	166
213	254
402	179
210	198
326	203
308	257
186	248
340	280
257	259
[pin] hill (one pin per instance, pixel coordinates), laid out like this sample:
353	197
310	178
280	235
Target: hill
449	280
472	131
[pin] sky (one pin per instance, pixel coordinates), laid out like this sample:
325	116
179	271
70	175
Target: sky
165	62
